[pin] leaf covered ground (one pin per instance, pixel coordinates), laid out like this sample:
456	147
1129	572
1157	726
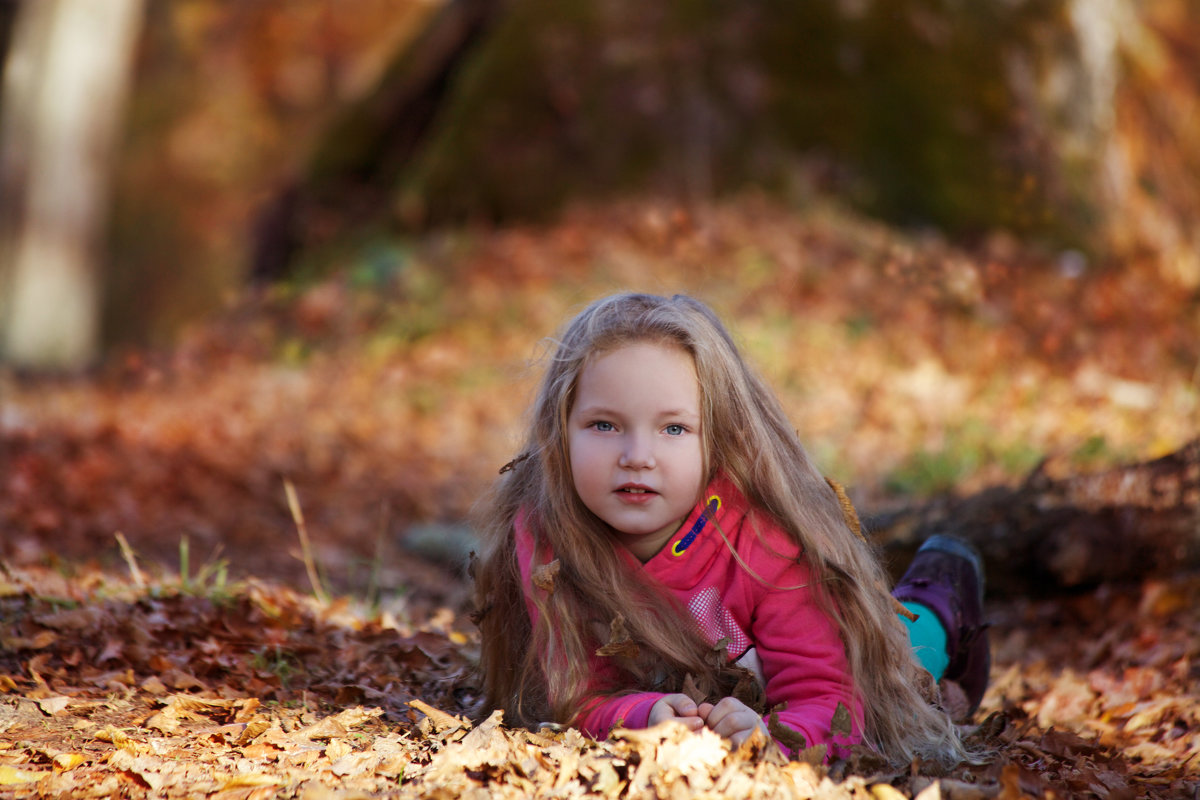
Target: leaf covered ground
253	690
194	656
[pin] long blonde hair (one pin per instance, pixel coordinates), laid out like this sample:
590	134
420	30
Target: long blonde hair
540	673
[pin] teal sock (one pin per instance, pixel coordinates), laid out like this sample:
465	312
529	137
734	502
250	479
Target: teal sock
928	639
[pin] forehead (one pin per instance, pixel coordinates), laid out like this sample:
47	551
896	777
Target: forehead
640	372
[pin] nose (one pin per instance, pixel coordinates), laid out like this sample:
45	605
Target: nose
637	452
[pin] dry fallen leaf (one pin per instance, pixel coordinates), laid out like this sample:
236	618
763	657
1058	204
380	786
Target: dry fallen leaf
54	705
619	641
544	575
440	719
11	776
67	761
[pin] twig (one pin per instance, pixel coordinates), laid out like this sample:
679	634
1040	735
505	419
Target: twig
131	560
310	566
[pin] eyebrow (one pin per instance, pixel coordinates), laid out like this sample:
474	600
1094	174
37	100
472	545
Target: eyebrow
606	411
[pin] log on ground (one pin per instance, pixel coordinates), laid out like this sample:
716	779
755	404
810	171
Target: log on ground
1128	523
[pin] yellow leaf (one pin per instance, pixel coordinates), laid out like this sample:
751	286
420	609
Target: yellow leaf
885	791
10	776
67	761
336	749
110	734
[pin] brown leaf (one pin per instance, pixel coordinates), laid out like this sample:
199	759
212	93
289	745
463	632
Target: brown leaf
165	721
154	686
619	641
692	690
788	737
749	691
544	575
841	725
812	755
246	709
440	719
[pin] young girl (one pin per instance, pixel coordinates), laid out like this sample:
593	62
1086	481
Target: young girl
664	548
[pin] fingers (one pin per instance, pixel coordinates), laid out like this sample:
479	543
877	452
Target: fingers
678	707
733	719
730	718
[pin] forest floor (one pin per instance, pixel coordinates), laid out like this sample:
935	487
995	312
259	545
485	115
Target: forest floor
200	654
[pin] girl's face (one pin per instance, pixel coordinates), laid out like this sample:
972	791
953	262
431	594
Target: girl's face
635	446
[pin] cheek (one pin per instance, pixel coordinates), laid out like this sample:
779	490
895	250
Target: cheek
581	458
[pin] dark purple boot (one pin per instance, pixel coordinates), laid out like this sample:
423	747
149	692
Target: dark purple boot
946	575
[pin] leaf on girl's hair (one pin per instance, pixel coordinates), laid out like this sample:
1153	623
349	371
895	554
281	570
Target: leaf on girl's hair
619	641
841	724
692	690
749	691
543	576
720	652
788	737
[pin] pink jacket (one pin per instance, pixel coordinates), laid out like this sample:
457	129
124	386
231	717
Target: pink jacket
772	622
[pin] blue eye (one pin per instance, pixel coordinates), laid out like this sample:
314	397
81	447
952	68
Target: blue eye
675	430
603	426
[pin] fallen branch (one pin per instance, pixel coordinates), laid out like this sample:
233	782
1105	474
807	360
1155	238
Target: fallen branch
1128	523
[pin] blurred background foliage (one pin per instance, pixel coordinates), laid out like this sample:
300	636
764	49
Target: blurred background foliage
958	238
1070	123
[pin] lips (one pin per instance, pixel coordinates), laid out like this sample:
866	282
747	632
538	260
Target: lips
635	494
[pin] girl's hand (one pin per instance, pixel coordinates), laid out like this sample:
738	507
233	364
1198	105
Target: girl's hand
678	707
732	719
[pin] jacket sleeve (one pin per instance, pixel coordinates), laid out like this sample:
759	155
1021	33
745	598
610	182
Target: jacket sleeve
602	714
803	658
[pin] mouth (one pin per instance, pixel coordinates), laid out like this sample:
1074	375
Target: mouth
635	489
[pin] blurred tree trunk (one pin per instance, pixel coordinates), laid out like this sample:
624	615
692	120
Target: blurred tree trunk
8	16
351	174
66	77
1129	523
